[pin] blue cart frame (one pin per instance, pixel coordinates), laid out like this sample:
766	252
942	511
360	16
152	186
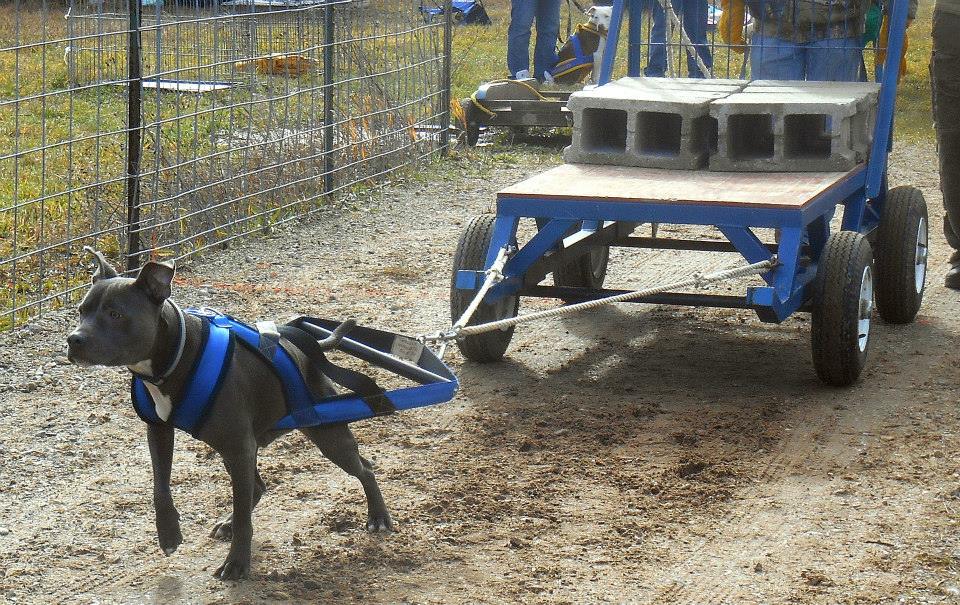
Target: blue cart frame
570	226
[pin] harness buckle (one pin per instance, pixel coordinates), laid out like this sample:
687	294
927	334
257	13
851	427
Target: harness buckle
269	338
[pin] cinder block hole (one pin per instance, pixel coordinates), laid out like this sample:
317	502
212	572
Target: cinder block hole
750	136
659	133
604	130
807	136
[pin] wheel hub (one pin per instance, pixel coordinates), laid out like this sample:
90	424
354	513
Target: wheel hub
866	309
920	258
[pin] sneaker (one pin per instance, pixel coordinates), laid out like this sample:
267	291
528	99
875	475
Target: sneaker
523	74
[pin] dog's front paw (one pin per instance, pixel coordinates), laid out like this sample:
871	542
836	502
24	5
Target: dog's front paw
234	568
168	533
223	529
380	523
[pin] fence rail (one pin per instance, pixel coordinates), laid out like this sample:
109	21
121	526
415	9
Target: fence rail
154	129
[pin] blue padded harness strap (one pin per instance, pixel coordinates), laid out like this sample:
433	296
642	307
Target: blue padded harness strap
577	47
299	398
192	407
143	402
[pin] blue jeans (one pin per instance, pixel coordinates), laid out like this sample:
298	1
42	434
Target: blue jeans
522	15
830	59
693	16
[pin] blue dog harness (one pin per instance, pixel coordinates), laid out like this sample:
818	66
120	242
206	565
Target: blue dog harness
579	65
222	332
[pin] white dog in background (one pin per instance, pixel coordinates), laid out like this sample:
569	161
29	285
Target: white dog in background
588	41
599	16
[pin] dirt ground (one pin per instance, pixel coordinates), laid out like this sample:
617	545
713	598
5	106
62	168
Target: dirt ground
636	454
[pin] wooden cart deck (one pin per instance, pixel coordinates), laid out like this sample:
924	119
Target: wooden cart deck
787	190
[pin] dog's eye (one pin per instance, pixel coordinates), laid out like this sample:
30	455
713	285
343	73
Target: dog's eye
114	314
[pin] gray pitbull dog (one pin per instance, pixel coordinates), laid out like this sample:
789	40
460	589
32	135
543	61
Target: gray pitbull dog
131	322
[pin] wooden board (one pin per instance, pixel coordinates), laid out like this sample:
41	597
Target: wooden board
626	184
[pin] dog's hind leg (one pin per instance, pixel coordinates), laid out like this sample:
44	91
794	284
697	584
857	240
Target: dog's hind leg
336	442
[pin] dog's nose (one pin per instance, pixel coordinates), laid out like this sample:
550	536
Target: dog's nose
74	340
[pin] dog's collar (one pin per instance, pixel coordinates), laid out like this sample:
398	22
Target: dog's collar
181	344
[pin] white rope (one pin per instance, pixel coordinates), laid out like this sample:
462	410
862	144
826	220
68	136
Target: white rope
697	281
684	41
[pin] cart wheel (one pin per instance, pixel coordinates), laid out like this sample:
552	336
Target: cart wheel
901	247
842	308
471	255
588	271
470	126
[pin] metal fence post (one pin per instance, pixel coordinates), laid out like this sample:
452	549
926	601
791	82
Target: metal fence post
134	90
328	67
446	93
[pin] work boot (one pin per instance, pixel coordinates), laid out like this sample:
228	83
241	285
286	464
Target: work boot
952	279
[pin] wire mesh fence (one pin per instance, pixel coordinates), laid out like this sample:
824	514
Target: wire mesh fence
158	130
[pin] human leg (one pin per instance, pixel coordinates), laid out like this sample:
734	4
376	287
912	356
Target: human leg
548	28
776	59
945	82
656	41
522	13
693	16
834	59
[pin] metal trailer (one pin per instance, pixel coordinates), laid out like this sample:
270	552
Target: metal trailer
878	257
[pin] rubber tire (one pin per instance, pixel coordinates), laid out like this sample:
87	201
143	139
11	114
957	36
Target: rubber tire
588	271
471	129
471	255
896	244
836	309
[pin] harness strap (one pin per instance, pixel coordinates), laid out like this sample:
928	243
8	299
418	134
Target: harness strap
191	410
369	391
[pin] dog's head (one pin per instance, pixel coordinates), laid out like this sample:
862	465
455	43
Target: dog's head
120	316
600	16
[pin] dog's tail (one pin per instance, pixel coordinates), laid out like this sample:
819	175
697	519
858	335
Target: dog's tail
331	342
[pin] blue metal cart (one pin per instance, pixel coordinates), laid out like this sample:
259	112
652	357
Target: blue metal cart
877	258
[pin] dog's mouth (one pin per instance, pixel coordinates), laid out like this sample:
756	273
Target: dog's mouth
78	361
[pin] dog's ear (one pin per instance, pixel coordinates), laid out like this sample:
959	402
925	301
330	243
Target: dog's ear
591	11
104	269
156	279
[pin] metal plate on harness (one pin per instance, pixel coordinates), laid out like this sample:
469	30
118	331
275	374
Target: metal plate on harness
406	349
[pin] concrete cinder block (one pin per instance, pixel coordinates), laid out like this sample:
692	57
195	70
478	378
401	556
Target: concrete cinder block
794	126
734	125
649	122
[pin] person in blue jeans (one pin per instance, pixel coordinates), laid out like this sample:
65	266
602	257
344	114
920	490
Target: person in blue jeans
693	16
809	40
522	15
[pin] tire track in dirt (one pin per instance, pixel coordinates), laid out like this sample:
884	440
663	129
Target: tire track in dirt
663	265
791	452
718	544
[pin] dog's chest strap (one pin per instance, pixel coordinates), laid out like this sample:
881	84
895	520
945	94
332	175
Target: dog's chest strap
191	407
